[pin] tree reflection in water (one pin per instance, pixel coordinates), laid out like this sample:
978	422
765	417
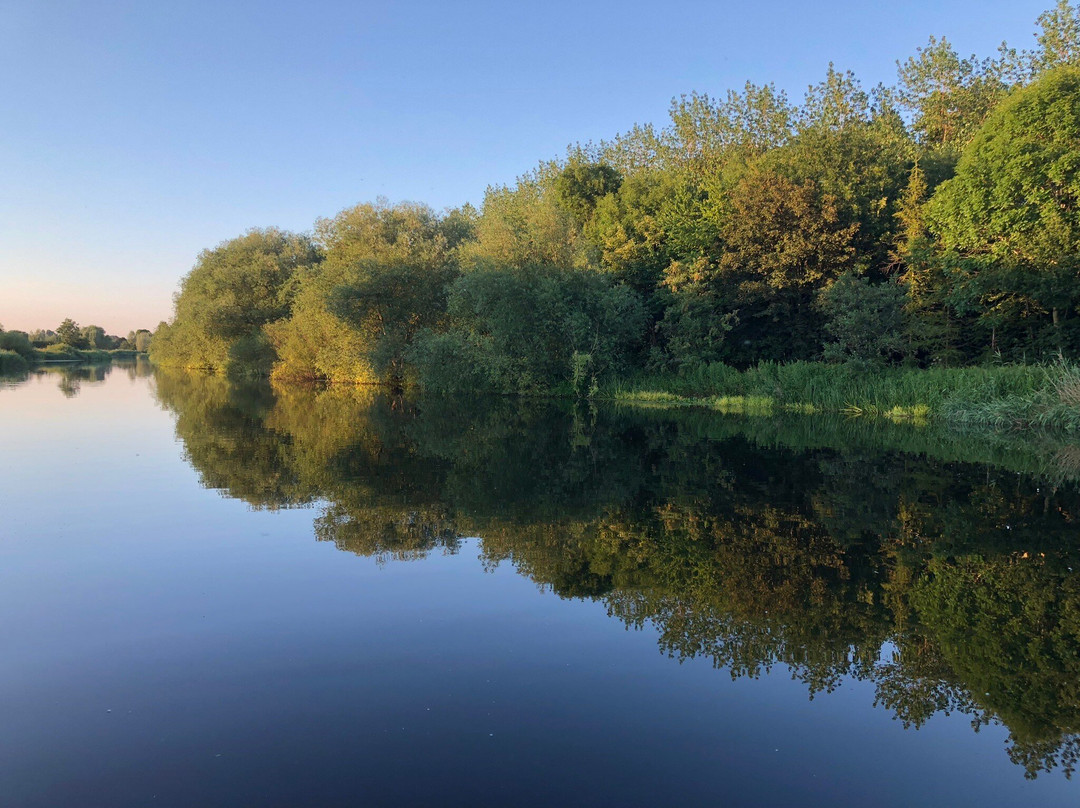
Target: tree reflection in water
938	567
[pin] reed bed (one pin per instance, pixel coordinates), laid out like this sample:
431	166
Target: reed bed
1001	397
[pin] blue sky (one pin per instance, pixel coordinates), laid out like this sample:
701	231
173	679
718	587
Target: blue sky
134	134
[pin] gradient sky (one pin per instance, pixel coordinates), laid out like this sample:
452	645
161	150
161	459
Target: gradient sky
135	134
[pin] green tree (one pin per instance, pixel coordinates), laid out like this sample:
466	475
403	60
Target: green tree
231	295
581	184
17	342
1059	37
527	225
853	146
94	337
384	279
710	136
69	334
949	96
864	320
519	330
780	243
1013	208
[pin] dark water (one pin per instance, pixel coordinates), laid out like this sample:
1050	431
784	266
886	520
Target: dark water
227	595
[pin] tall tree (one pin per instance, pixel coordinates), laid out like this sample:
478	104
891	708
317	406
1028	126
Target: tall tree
1059	37
949	96
234	291
1013	208
68	333
384	278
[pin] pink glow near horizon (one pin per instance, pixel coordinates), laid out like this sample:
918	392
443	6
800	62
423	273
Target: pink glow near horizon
28	306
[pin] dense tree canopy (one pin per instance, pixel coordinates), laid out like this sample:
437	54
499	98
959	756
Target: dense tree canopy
948	204
1013	207
232	293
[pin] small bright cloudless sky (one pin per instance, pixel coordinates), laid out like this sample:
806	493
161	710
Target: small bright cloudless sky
133	134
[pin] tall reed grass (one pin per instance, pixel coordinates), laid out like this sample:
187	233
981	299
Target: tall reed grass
1014	396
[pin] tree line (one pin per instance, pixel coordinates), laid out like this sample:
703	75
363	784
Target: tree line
70	341
935	222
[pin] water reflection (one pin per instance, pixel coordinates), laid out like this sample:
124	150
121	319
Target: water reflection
941	569
71	376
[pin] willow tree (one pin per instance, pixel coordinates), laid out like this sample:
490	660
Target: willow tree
384	278
225	303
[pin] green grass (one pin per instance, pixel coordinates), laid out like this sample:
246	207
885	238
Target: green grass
65	353
1008	397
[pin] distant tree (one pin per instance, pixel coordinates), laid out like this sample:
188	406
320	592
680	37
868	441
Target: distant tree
949	96
142	340
42	337
93	336
17	341
1059	37
69	333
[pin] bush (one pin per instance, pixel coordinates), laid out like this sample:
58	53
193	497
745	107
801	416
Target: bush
59	352
449	362
17	342
12	362
865	321
518	331
251	355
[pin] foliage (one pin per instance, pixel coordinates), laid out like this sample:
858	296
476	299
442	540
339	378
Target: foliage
580	185
1013	208
754	544
384	279
232	293
518	330
17	342
935	222
93	336
864	320
950	96
12	362
69	334
527	225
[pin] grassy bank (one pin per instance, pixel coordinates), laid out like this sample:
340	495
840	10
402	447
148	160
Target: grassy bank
20	361
1008	397
91	356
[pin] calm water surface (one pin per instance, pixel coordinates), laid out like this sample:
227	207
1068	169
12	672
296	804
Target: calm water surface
230	595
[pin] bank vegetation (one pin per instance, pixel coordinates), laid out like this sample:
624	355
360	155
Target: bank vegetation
910	250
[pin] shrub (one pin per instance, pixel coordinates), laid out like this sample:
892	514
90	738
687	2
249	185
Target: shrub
12	362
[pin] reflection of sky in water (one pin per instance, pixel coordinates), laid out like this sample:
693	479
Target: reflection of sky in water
161	644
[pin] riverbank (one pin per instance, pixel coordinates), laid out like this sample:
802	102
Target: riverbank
1005	397
15	362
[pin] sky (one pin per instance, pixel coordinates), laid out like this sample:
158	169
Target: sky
135	134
